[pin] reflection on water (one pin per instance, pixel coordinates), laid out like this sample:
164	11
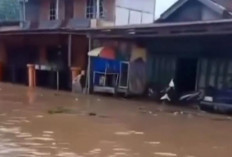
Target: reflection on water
15	142
105	127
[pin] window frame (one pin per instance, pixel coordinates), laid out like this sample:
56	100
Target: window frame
53	10
91	9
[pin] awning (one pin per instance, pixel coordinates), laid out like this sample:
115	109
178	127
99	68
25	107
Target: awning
103	52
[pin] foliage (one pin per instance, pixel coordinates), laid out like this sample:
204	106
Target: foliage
9	10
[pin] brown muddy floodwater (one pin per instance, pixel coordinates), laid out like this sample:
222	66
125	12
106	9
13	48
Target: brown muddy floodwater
95	126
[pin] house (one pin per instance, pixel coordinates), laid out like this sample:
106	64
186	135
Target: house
190	43
46	37
197	10
54	36
107	12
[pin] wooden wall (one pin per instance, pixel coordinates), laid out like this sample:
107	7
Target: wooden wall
79	51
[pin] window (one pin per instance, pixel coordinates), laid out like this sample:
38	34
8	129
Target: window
53	10
92	10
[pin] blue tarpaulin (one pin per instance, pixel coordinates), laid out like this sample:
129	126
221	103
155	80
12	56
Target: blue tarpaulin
101	64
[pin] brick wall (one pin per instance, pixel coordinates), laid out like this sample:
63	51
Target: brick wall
79	51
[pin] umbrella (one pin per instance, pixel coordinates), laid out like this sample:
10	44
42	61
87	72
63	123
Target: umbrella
103	52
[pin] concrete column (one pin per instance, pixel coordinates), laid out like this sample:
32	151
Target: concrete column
3	59
69	50
57	9
3	54
31	75
97	9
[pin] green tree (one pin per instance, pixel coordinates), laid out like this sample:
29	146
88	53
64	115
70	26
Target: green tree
9	10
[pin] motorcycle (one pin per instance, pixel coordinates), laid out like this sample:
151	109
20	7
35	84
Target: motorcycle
169	94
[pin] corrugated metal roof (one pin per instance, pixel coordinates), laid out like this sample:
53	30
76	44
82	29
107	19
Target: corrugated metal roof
225	3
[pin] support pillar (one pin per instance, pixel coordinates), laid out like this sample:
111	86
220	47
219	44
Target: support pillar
3	59
1	71
31	75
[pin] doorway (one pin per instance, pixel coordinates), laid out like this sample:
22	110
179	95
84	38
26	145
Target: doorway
186	75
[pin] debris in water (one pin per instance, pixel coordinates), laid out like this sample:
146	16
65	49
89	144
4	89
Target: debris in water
92	114
59	110
98	99
76	99
142	108
56	94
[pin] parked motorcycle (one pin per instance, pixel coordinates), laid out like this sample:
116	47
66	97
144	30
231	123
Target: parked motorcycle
170	95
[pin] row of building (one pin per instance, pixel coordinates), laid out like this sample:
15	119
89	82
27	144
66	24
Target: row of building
189	42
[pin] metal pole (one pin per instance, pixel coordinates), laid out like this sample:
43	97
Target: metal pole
70	50
88	79
57	80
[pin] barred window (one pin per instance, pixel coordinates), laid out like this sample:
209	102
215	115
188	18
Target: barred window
91	9
53	10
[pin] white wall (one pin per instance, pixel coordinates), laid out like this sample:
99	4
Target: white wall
140	11
134	11
143	5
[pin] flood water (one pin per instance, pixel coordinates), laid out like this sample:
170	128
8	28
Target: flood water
96	126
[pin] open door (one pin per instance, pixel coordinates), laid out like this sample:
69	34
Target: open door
186	74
